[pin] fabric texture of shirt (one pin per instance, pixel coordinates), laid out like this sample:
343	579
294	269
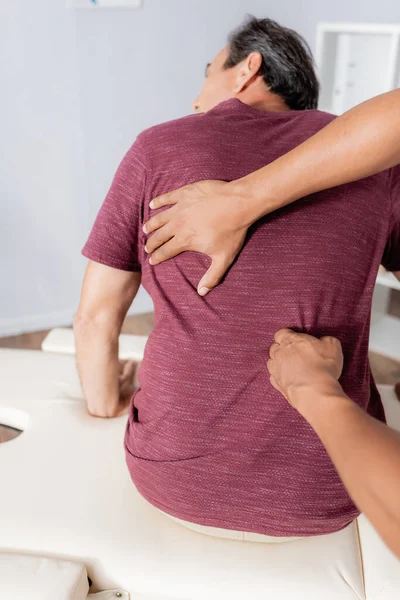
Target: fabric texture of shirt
209	440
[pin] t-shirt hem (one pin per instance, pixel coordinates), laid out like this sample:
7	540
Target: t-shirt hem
108	261
223	524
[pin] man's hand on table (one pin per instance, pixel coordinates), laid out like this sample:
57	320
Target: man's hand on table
127	375
126	381
206	217
303	367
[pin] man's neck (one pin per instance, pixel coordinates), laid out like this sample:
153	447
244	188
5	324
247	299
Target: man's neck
270	105
266	102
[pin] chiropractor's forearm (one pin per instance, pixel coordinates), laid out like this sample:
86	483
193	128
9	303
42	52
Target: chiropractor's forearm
98	365
366	454
363	141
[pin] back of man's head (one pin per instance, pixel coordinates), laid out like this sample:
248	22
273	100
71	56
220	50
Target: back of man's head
287	63
264	64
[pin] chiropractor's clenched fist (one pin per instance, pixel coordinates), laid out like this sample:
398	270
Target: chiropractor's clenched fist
299	362
205	217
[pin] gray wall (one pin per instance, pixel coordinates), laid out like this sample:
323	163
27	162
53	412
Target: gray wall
77	87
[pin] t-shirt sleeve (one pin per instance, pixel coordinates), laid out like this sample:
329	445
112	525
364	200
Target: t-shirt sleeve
391	255
115	239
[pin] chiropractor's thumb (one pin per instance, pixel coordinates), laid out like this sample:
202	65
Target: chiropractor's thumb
219	265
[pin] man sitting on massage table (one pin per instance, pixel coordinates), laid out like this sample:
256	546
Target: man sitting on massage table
209	440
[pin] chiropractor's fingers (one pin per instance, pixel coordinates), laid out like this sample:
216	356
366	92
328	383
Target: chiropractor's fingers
298	360
221	261
160	237
284	336
168	250
159	220
271	366
333	350
273	350
329	339
288	336
168	199
274	383
219	265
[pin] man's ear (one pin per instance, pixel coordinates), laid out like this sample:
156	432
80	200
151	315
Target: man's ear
248	71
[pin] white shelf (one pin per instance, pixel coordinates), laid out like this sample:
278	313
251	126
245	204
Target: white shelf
385	329
385	336
356	61
388	280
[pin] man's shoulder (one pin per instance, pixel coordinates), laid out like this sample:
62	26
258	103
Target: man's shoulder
167	132
177	134
319	117
323	114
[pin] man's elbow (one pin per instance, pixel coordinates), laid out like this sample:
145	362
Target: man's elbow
101	323
81	324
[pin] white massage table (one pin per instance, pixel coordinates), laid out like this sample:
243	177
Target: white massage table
66	493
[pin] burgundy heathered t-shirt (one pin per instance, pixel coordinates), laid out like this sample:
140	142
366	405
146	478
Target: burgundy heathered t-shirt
209	440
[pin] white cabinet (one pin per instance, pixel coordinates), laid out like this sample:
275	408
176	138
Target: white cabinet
356	62
385	329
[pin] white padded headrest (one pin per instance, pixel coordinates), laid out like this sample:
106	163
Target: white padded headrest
32	577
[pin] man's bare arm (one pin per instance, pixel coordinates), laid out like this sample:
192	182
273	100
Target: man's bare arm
106	297
213	217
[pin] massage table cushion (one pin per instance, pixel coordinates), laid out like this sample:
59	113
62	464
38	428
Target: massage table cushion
66	492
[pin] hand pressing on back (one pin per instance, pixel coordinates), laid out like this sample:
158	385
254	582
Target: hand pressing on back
299	363
205	217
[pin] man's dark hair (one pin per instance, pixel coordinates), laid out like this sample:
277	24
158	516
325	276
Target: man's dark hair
287	62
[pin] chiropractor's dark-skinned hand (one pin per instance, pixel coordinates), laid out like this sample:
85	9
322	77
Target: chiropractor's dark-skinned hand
205	217
300	362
